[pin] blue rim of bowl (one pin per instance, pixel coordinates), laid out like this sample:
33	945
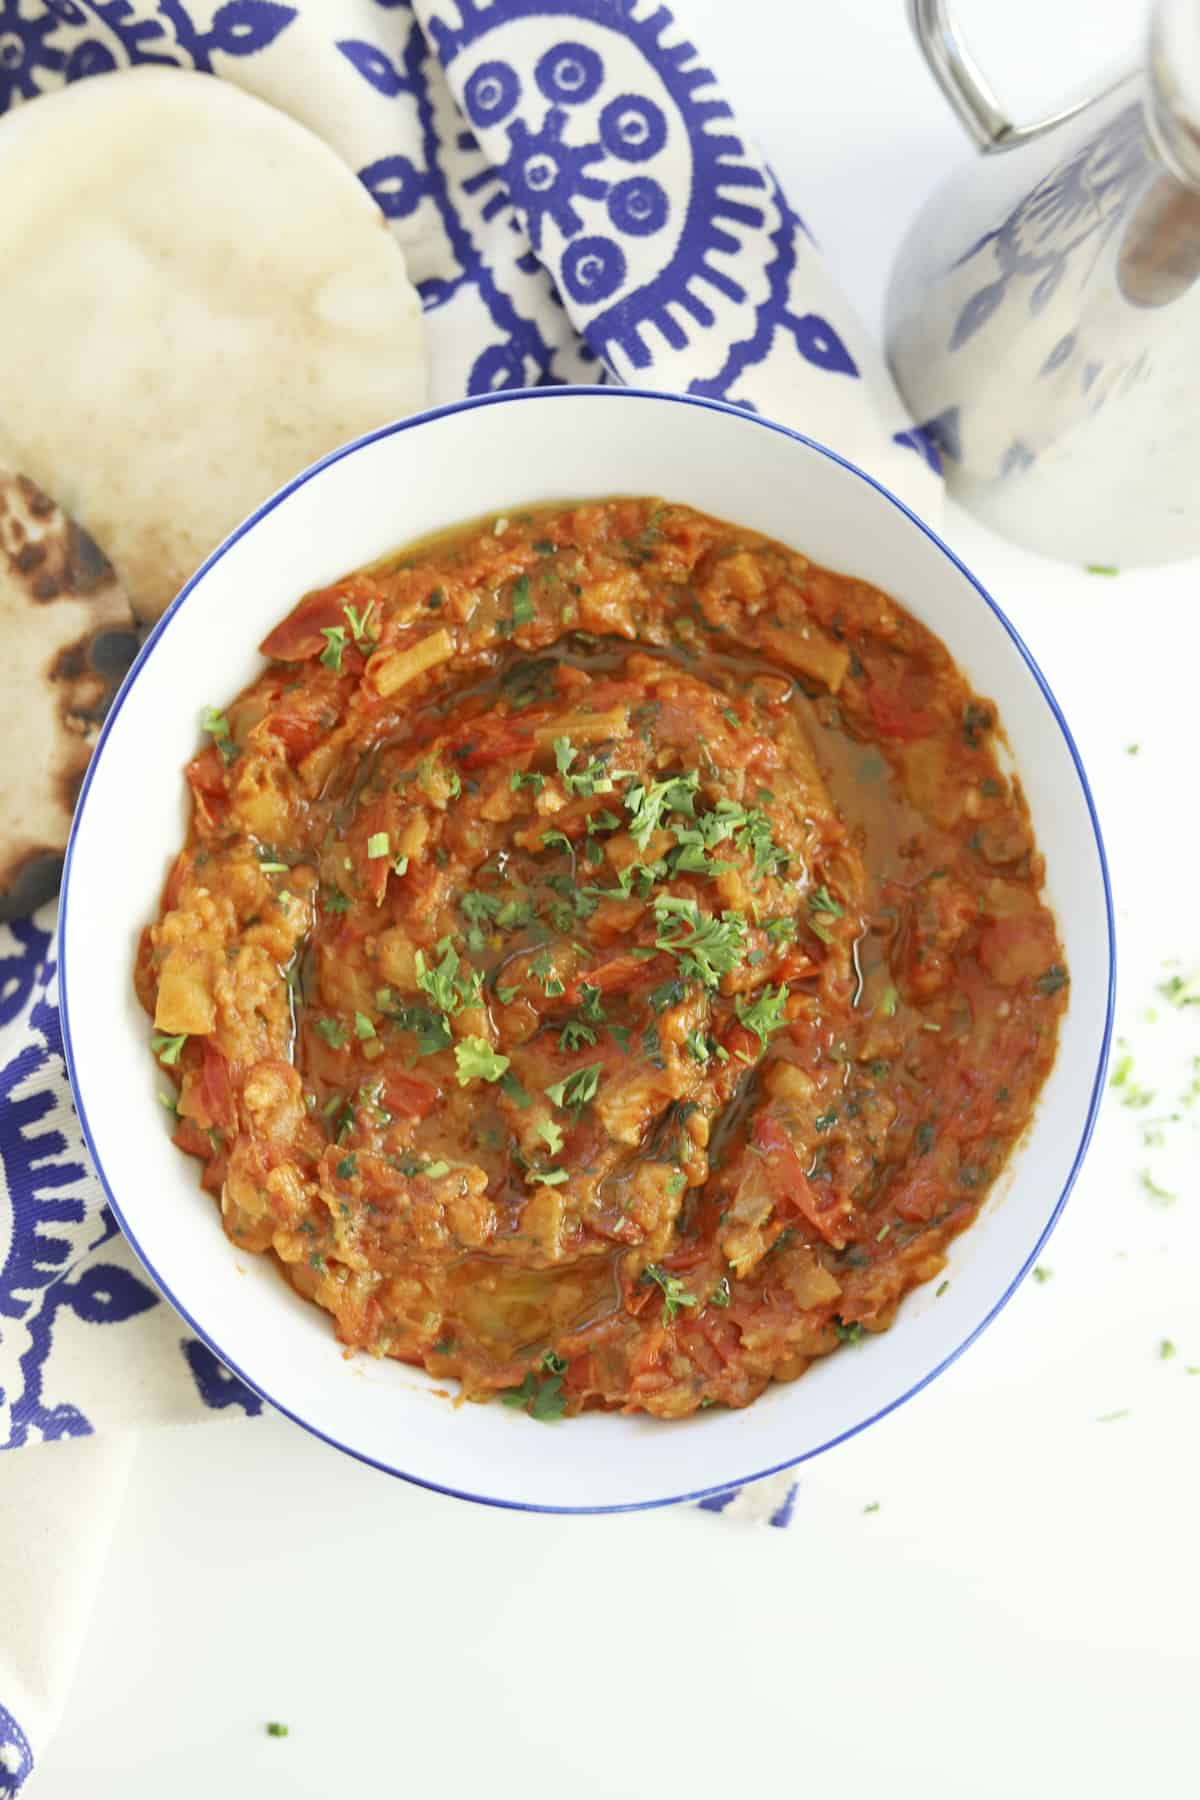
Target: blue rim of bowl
538	395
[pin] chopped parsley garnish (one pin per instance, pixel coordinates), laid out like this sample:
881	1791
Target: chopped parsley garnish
333	1031
514	915
543	968
1182	990
889	1000
578	1089
358	625
431	1029
541	1396
475	1060
334	901
766	1015
592	778
478	909
546	1177
822	905
1166	1350
363	1027
592	1008
575	1034
671	993
166	1048
217	726
1041	1274
976	720
529	779
848	1334
780	931
335	644
448	985
756	838
551	1135
1053	980
419	1165
378	844
697	1046
707	948
646	804
522	602
511	1088
675	1295
720	1295
347	1167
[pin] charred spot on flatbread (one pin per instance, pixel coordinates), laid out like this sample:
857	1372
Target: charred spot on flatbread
69	636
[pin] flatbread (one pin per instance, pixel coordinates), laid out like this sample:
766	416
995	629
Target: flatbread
68	637
198	299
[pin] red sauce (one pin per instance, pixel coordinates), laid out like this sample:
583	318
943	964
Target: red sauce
607	963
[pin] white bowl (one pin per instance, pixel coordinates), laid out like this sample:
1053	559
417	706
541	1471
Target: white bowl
398	484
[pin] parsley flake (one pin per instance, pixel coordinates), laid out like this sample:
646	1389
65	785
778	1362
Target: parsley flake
541	1395
551	1135
358	623
675	1295
579	1088
475	1060
707	948
647	803
522	602
766	1015
335	644
217	726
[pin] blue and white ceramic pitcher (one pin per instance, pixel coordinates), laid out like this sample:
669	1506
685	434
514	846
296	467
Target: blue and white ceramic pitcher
1044	313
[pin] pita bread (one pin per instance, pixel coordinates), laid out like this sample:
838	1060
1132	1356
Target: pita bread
199	299
68	637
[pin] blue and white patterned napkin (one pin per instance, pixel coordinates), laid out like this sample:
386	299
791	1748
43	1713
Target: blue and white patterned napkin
576	203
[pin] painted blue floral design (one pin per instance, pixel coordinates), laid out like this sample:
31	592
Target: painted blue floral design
1075	209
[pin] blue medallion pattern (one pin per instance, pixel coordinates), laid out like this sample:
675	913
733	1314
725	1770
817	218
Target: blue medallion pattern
16	1758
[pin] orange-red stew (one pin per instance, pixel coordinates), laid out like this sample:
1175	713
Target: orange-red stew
607	963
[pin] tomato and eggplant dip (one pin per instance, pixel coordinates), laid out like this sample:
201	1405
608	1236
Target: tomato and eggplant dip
607	964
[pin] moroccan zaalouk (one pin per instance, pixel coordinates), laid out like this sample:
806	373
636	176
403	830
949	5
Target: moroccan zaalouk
607	963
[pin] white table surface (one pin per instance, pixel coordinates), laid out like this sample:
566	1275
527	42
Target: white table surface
1018	1617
